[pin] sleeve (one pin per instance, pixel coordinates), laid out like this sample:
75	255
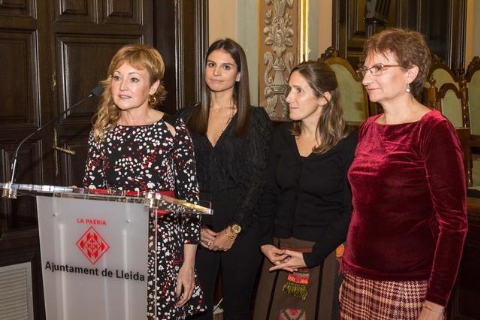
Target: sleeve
259	138
336	232
186	184
94	177
446	179
270	194
184	113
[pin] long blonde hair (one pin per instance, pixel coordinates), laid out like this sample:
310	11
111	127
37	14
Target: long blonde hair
139	56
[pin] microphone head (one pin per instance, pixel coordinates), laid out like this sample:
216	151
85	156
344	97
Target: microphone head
98	90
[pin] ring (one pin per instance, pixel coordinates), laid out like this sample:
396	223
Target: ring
209	243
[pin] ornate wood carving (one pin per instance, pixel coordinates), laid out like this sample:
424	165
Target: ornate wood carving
278	54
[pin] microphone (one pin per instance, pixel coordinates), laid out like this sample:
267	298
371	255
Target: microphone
9	191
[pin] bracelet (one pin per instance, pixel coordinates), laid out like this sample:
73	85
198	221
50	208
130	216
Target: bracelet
430	309
230	236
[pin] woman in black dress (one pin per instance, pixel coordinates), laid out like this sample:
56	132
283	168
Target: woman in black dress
306	206
231	140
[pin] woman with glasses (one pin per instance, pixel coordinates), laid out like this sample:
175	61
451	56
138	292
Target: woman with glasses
306	206
408	192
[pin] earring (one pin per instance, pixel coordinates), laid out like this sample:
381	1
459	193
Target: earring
407	89
152	100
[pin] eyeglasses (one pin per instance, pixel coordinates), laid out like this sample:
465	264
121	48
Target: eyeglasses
375	70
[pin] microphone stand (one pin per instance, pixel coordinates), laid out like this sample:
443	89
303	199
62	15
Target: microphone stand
9	191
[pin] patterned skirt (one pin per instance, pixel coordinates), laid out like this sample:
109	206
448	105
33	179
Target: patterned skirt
381	300
165	257
309	294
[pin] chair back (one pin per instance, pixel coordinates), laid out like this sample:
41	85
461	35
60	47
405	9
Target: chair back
438	75
451	104
472	78
353	94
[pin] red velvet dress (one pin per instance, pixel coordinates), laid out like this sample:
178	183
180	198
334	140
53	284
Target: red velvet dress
409	197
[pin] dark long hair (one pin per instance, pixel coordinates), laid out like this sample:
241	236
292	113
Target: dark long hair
331	125
198	119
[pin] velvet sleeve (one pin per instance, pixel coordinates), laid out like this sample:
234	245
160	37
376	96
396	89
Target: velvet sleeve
186	185
337	230
259	138
446	179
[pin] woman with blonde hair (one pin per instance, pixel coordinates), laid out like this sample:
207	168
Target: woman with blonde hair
135	147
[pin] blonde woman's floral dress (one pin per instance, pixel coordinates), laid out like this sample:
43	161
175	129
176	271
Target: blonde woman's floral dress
150	158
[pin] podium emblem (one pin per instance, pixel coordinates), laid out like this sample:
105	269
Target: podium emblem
92	245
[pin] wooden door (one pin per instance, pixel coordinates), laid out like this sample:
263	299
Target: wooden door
86	34
52	54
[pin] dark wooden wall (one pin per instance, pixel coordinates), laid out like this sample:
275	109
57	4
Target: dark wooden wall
465	300
52	54
441	21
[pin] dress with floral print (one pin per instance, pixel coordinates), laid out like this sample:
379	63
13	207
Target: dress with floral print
150	158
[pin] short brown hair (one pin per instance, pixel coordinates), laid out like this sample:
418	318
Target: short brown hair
410	49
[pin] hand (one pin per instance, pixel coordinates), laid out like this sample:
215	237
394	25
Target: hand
292	263
207	237
431	311
223	241
185	284
275	255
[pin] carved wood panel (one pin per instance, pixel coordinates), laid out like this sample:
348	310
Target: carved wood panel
76	11
17	8
82	55
125	12
20	92
20	89
75	82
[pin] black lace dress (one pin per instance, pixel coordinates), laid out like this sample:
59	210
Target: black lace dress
150	158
